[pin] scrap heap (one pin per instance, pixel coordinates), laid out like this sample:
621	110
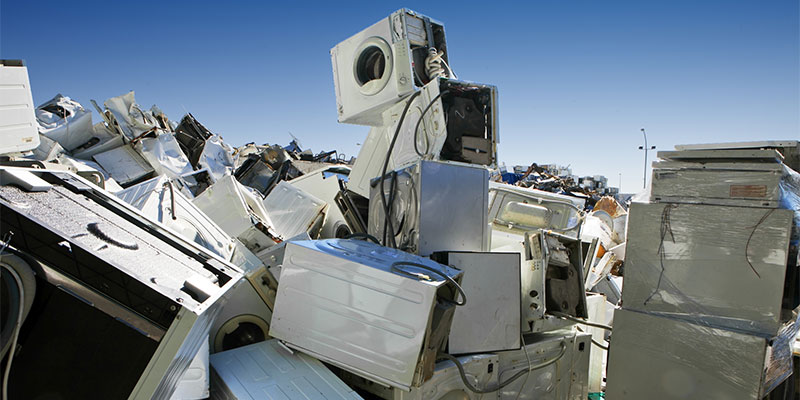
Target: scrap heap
143	258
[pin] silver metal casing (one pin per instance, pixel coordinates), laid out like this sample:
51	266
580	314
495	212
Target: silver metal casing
678	359
343	302
489	321
724	265
744	184
438	206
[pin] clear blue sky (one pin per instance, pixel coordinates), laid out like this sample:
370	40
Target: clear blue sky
577	79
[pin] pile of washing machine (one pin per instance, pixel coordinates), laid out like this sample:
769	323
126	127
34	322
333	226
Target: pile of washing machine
146	259
418	303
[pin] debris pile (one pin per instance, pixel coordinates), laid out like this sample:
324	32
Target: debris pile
143	258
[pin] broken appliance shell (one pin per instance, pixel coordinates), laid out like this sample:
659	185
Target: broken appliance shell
343	302
481	371
323	183
270	369
125	165
16	109
552	281
375	68
514	210
273	256
565	379
65	121
722	265
245	317
489	321
239	212
104	261
438	206
685	360
433	135
160	200
294	211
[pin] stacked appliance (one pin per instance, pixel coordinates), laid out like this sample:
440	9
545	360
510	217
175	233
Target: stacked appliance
388	315
711	280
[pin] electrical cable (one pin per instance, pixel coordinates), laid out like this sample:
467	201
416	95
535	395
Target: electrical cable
387	217
433	64
460	290
749	238
666	228
594	342
17	326
524	381
598	344
509	380
581	321
416	129
364	236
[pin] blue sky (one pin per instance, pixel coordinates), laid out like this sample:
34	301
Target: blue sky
577	79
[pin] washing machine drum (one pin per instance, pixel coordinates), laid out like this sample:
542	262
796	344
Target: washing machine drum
17	288
372	65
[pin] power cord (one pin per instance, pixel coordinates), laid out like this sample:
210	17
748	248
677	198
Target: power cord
386	210
581	321
419	121
509	380
17	326
364	236
395	266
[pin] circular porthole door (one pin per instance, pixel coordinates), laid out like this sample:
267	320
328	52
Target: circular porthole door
17	287
241	330
372	65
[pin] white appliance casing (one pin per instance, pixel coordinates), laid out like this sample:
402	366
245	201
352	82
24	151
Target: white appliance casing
391	37
17	115
269	369
342	302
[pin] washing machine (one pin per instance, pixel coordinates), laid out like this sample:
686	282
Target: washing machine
436	206
245	317
375	68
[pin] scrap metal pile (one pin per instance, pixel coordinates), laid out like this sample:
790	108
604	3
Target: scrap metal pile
143	258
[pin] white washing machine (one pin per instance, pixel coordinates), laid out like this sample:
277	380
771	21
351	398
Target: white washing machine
375	68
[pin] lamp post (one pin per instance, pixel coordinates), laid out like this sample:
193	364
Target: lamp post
646	149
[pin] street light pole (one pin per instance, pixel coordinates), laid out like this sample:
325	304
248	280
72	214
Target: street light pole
646	149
